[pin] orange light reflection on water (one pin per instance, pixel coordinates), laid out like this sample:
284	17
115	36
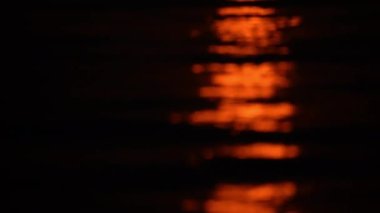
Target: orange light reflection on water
264	198
246	10
239	89
260	117
251	31
269	151
245	81
236	85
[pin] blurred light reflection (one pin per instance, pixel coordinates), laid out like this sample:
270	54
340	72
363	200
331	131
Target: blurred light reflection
246	80
236	86
241	198
264	198
245	31
239	89
246	10
260	117
268	151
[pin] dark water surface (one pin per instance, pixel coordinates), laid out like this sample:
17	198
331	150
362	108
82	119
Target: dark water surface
224	107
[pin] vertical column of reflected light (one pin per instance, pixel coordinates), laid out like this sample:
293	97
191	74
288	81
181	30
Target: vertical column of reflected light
244	32
240	90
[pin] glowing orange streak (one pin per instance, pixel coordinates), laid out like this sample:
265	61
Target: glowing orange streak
279	67
265	198
244	116
246	11
260	151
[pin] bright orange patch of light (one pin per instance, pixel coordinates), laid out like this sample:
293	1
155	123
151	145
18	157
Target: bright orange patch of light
244	34
259	30
237	84
246	10
265	198
269	151
259	117
245	31
246	80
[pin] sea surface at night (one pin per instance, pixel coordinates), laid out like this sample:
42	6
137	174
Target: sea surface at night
217	107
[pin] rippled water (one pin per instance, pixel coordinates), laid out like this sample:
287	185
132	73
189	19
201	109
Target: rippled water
224	107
